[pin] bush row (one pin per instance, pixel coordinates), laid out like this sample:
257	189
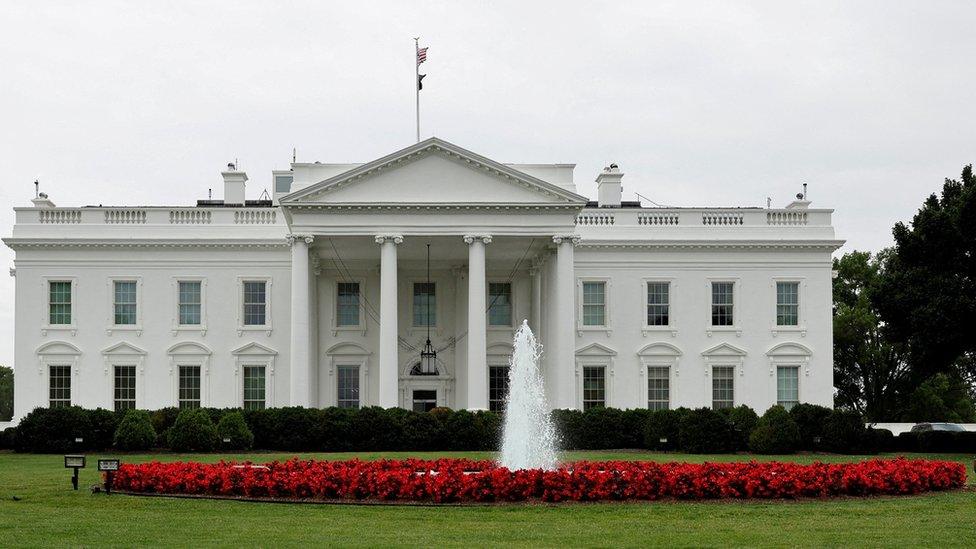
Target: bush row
804	427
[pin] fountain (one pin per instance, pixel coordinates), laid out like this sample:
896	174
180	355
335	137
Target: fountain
529	437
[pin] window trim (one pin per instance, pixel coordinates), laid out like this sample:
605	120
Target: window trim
123	354
647	365
711	379
190	353
736	326
268	325
595	355
335	378
348	354
72	382
112	326
361	327
500	327
255	354
607	325
190	364
176	326
46	325
497	364
801	326
672	326
794	364
56	353
111	374
437	308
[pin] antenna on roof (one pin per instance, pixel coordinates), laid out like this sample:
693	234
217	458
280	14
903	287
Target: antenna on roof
37	188
209	194
265	195
639	195
769	202
294	155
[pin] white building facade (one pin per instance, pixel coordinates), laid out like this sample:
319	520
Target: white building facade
320	296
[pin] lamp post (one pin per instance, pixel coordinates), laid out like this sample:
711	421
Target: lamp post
74	461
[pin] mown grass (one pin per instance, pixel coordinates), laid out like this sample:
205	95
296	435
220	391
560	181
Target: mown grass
49	513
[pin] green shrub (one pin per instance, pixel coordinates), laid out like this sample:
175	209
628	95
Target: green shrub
103	423
879	440
233	432
423	431
336	430
633	425
743	420
844	432
376	428
263	425
810	419
54	430
298	429
661	430
135	432
569	425
600	429
162	419
8	438
193	431
775	433
704	431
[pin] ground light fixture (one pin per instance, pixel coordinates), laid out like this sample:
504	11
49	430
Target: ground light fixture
109	467
74	461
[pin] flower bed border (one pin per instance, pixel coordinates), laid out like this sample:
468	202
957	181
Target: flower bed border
409	482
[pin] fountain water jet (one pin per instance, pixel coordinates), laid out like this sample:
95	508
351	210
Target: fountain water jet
529	439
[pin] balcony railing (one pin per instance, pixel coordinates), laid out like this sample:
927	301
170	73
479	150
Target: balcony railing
148	216
653	218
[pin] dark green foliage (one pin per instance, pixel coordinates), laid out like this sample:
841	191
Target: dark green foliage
193	431
633	425
941	398
54	430
810	420
704	431
844	432
423	432
8	438
743	420
661	431
296	428
103	425
569	428
879	440
601	428
232	426
6	393
775	433
135	432
162	419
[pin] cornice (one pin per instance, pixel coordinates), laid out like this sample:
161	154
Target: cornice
30	243
827	245
381	207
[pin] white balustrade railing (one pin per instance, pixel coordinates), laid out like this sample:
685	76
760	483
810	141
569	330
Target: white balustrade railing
190	216
59	216
255	217
125	217
704	218
595	218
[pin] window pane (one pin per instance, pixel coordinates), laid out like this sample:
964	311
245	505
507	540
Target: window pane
283	183
424	400
125	388
787	386
254	387
59	301
499	304
658	388
189	387
722	303
125	302
594	304
658	303
594	387
189	303
424	304
347	378
347	304
59	386
723	387
787	303
497	387
255	303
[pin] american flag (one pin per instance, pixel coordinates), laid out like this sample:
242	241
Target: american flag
421	56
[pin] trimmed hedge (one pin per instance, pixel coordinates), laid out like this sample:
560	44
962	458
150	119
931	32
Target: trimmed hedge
775	433
135	431
375	429
194	431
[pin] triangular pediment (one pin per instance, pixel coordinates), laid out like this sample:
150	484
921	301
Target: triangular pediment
595	349
254	348
724	349
434	172
123	348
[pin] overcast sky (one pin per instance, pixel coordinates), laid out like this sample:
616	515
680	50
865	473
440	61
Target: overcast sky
133	103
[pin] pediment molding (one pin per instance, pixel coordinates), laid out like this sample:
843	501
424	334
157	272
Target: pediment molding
789	348
123	348
595	349
347	348
254	349
189	348
724	349
57	348
659	349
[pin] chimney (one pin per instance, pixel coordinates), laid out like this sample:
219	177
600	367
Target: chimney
608	187
233	186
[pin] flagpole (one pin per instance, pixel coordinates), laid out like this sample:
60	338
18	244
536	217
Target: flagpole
416	80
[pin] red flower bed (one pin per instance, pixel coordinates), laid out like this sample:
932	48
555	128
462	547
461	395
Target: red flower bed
464	480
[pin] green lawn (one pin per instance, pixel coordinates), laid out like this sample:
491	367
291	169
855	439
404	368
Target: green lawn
50	513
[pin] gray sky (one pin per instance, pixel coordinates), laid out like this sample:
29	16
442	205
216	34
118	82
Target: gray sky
721	103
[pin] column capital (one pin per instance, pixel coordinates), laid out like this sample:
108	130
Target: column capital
560	238
292	238
470	238
395	238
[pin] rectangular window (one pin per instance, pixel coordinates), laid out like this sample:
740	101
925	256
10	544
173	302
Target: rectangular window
125	388
787	303
125	302
254	387
190	303
594	304
497	387
347	304
723	387
347	379
499	304
255	303
658	388
658	303
424	304
59	303
283	183
594	387
424	400
60	386
722	303
787	386
189	388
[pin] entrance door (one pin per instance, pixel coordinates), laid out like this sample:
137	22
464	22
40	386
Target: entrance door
424	400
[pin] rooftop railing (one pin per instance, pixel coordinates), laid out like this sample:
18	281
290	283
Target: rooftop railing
702	217
148	216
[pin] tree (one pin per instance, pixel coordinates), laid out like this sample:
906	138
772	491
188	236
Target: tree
6	393
869	370
941	398
927	298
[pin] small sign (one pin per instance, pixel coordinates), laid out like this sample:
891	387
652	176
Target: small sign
226	440
74	462
109	464
79	440
663	440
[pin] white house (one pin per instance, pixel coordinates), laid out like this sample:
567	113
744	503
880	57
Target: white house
320	297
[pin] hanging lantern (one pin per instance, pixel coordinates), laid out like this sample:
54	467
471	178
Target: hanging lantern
428	356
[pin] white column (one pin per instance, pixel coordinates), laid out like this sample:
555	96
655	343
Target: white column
300	372
535	318
562	347
389	348
477	334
